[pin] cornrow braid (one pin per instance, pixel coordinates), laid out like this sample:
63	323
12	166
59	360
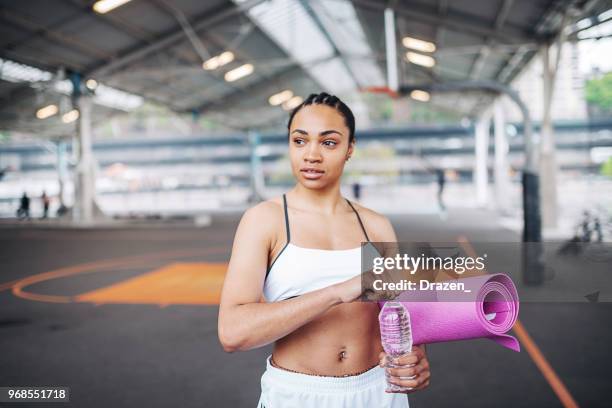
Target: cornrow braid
332	101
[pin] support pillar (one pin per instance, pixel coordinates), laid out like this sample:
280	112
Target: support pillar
257	179
391	50
481	146
548	163
85	182
501	167
62	170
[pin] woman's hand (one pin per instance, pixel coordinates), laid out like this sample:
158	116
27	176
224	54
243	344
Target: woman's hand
352	289
419	369
349	290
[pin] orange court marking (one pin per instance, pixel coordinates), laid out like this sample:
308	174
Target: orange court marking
177	283
532	349
540	361
107	265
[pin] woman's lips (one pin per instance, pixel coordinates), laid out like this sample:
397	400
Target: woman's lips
312	174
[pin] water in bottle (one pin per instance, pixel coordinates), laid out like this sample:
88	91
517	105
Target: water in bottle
396	335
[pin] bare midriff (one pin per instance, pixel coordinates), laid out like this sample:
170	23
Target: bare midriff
345	340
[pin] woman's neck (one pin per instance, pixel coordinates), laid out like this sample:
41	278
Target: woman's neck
325	201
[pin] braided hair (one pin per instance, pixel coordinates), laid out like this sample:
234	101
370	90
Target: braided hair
332	101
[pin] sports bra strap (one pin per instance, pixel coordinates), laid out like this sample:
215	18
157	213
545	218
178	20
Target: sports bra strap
349	203
358	219
286	219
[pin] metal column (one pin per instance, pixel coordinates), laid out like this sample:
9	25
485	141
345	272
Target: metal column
62	170
84	191
501	167
391	50
481	146
257	179
548	163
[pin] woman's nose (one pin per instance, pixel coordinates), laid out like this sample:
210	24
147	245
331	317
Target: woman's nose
312	153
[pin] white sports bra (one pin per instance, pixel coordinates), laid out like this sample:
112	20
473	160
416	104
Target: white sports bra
298	270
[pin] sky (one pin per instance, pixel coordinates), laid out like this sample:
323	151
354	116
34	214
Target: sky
596	53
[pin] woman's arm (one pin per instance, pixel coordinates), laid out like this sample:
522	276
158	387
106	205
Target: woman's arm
384	236
244	321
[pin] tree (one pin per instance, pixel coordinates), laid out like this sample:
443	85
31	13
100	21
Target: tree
599	92
606	168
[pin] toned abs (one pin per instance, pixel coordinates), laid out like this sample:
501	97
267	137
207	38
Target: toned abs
344	340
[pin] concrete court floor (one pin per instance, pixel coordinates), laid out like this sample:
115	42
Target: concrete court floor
147	354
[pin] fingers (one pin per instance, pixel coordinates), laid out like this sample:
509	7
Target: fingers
420	382
413	357
407	359
414	372
406	372
382	357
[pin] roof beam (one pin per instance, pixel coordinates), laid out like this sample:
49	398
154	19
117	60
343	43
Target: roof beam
455	22
329	39
485	50
110	19
221	43
502	14
202	52
479	62
166	40
508	70
253	88
442	12
115	21
442	7
34	28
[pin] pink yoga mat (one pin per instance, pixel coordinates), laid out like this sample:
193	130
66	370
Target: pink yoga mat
489	310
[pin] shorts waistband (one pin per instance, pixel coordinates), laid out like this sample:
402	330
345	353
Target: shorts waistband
324	384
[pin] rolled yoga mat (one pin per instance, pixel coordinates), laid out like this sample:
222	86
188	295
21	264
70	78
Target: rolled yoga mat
489	310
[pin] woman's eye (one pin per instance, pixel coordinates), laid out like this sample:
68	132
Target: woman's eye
298	141
330	143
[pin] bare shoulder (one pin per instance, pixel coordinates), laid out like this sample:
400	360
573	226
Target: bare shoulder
379	226
266	209
263	218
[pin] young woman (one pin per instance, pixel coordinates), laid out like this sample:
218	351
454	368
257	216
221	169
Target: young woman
294	279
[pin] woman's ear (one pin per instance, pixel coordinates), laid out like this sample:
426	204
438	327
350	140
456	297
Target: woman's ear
349	152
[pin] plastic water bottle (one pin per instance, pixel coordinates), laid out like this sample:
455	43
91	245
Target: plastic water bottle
395	335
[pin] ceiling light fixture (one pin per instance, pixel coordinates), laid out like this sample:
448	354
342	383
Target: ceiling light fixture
292	103
218	61
419	45
104	6
46	112
91	84
419	95
279	98
71	116
420	59
240	72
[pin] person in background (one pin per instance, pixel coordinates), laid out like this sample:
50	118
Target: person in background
24	208
440	175
356	190
45	200
4	171
441	179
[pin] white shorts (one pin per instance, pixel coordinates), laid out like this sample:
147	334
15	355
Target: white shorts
286	389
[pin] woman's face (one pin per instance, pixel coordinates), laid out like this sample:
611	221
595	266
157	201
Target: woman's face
318	146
